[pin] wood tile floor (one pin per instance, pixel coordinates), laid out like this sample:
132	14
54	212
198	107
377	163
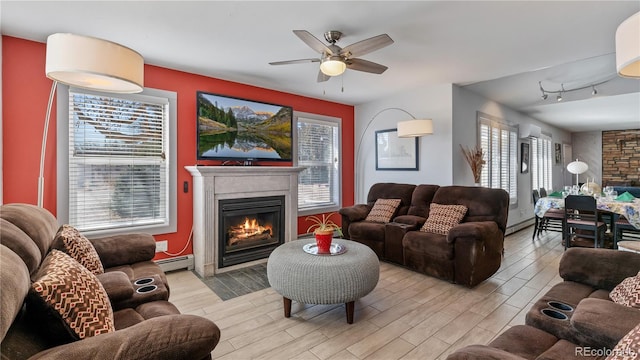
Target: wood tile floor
407	316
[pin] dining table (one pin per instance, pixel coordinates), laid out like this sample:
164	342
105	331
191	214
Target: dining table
629	209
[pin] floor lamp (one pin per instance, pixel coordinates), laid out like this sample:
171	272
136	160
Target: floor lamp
577	167
409	128
88	63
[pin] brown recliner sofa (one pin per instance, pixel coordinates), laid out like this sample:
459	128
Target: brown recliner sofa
147	326
468	255
579	313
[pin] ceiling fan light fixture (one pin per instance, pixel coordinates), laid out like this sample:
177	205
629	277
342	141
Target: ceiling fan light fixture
333	65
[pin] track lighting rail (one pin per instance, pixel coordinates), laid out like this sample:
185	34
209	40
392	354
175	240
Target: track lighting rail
546	92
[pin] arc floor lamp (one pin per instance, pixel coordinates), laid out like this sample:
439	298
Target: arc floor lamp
408	128
88	63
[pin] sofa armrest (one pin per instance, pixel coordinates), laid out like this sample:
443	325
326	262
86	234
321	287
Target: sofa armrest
356	212
478	248
117	285
474	352
594	318
599	268
486	232
413	220
164	337
124	249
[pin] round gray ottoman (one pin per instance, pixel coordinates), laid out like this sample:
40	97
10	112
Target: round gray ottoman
323	279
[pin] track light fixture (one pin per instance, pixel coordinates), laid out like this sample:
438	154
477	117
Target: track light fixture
562	90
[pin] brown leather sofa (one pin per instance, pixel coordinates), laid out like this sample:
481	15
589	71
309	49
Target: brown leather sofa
574	315
147	326
468	255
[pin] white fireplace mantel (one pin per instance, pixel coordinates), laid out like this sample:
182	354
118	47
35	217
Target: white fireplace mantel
213	183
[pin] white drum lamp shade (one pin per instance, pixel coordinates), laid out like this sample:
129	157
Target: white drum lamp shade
414	128
577	167
628	47
94	64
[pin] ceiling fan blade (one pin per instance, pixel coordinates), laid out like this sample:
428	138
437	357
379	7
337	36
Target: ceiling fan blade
322	77
366	66
299	61
366	46
313	41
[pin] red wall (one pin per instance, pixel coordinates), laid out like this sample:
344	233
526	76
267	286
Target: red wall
25	94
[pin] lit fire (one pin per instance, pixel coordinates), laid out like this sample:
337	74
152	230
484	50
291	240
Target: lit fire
248	229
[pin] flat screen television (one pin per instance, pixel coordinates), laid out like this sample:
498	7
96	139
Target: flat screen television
230	128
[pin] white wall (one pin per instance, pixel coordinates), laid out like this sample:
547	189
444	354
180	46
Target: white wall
587	146
465	106
435	157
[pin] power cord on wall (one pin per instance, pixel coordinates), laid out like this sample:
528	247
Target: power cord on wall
184	248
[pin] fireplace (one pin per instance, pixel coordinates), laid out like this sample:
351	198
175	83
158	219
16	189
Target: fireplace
250	228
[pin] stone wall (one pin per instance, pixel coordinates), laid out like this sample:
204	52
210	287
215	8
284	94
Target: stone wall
621	157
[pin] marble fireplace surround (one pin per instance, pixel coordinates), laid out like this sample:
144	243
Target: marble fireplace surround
214	183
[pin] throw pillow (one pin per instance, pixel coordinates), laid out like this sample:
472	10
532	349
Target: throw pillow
383	210
443	217
71	241
69	300
627	292
628	347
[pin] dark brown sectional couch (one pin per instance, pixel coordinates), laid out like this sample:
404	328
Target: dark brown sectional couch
468	255
592	320
147	326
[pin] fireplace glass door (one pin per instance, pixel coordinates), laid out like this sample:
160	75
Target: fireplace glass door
250	228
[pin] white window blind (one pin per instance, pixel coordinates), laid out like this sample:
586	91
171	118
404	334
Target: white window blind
499	142
118	164
319	153
541	163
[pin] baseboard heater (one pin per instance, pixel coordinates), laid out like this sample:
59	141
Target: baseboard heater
519	226
176	263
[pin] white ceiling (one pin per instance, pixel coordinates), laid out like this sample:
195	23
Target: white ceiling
460	42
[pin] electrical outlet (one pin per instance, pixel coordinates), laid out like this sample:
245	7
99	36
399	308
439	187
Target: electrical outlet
161	245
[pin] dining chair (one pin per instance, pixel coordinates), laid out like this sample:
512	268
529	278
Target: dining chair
581	220
622	226
543	192
551	221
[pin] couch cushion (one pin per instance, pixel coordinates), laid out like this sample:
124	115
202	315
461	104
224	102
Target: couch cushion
421	200
367	230
392	191
38	223
627	293
483	204
21	244
628	347
69	299
383	210
443	217
433	245
71	241
15	282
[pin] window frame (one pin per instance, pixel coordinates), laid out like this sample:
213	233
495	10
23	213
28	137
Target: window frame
544	161
512	161
63	123
321	119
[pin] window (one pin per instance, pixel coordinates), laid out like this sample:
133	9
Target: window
119	172
319	152
499	141
541	162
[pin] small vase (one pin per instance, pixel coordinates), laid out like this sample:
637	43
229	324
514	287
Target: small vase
323	240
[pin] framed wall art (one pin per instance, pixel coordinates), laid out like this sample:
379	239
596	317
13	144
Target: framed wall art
524	158
395	153
557	147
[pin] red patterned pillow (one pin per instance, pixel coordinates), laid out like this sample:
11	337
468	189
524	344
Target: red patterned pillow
627	292
443	217
628	348
383	210
68	300
71	241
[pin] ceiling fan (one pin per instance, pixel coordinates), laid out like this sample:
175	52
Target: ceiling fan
334	60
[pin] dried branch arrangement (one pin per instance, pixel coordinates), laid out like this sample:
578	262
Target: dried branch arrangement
475	159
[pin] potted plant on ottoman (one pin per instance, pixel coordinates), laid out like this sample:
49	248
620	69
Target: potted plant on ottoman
323	229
